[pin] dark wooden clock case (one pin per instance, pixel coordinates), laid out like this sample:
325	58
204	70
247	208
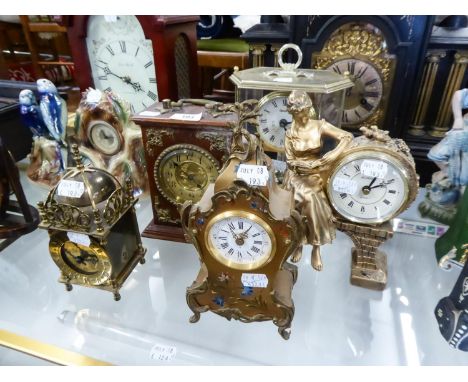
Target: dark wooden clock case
174	67
160	132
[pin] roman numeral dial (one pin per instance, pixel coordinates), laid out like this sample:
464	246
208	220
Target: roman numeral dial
274	120
240	240
367	187
364	98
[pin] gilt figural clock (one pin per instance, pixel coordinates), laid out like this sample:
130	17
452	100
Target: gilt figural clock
141	58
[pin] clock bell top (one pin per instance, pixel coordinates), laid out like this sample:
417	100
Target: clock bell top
288	77
86	200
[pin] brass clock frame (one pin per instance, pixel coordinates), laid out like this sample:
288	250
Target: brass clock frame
158	166
265	99
231	264
355	41
218	286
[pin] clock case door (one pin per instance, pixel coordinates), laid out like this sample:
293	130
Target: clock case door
175	53
161	132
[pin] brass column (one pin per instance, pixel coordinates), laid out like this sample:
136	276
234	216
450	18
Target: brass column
457	71
425	92
274	49
257	54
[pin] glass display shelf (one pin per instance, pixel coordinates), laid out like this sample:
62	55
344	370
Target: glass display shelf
335	323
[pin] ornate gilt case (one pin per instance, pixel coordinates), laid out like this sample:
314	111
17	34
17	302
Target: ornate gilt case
207	140
94	235
221	285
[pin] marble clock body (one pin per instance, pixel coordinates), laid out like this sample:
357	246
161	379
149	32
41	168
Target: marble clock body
243	235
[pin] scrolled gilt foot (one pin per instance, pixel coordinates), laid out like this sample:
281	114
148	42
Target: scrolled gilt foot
194	318
285	332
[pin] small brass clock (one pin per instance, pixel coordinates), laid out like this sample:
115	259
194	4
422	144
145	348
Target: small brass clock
244	233
183	171
373	181
94	236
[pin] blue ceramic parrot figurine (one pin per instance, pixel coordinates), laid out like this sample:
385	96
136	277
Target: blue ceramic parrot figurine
31	114
53	109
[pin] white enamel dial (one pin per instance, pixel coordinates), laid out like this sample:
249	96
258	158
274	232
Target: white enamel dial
122	60
361	100
104	138
240	240
274	120
368	188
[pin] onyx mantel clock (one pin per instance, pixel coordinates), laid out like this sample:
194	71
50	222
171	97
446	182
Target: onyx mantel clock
141	58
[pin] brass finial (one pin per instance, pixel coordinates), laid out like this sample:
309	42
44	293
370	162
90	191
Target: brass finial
77	157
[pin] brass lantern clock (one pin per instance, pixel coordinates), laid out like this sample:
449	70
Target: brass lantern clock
93	230
271	87
244	234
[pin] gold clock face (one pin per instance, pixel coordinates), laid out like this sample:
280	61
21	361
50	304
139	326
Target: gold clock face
183	172
363	99
274	120
104	137
240	240
369	187
82	264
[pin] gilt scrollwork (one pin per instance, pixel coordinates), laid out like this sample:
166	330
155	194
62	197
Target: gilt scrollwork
155	138
116	205
65	216
217	142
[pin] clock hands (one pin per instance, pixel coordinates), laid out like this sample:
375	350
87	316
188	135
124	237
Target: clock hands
383	183
136	85
284	123
367	189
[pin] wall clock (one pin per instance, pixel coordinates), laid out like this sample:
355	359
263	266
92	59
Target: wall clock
141	58
185	147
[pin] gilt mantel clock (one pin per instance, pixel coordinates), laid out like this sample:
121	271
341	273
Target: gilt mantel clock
141	58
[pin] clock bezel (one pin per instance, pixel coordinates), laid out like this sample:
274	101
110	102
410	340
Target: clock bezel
265	99
232	264
363	153
158	163
119	136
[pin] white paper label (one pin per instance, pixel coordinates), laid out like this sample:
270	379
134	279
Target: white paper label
148	113
110	18
79	238
253	175
279	165
254	280
70	188
187	117
348	186
280	79
93	96
163	352
374	168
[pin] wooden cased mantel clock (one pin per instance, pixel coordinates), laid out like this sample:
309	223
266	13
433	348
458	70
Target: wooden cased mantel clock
140	58
182	157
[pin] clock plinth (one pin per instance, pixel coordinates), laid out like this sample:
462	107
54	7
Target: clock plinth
164	232
368	264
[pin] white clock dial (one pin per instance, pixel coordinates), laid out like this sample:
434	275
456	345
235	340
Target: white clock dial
274	120
104	137
362	100
122	60
240	240
368	189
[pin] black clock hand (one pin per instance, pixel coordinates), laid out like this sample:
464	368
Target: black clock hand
136	85
367	189
244	234
371	183
383	184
